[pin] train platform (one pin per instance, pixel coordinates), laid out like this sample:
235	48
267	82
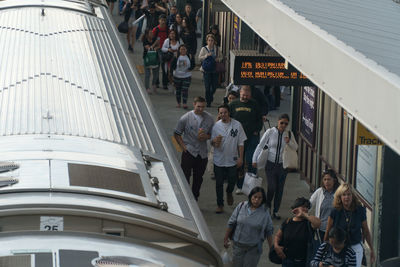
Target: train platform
164	105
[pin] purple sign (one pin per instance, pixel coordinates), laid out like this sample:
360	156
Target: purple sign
236	32
308	113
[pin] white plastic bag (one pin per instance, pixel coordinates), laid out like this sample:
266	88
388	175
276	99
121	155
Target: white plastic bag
251	180
226	256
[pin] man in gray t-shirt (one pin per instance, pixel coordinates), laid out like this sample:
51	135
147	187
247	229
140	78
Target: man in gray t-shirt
228	138
192	132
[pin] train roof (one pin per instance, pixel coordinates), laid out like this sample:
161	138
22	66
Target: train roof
73	114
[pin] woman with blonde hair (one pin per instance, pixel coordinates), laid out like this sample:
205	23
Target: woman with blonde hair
349	215
208	56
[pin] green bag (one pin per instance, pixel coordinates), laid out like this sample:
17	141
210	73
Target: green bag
151	59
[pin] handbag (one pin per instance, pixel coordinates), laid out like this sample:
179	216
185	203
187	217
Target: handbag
263	156
273	256
123	27
167	56
151	59
234	227
289	157
251	180
313	243
220	67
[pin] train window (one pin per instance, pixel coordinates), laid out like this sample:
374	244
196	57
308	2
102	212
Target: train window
105	178
77	258
16	261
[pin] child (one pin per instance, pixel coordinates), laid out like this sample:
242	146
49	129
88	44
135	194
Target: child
182	66
334	253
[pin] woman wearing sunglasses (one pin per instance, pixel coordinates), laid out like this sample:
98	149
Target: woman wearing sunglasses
275	139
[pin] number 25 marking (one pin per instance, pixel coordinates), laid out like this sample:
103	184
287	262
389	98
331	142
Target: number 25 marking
51	227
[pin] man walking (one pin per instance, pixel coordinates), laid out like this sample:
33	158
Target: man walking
228	138
192	132
248	113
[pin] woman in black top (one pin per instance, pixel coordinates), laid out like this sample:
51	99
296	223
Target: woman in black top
188	37
150	43
214	30
177	25
291	239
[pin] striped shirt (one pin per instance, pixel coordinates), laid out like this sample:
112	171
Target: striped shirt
326	255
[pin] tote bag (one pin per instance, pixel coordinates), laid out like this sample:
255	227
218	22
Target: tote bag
251	180
151	59
289	157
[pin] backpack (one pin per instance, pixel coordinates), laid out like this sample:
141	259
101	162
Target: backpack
209	63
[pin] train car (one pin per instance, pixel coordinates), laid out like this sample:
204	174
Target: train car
87	177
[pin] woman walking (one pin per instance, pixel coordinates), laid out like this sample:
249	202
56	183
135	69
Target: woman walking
290	241
322	198
182	67
188	36
150	45
349	215
169	50
249	225
208	57
275	139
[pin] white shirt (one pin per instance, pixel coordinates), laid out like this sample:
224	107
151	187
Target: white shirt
182	67
233	136
276	143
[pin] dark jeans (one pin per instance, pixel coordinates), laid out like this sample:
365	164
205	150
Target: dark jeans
210	83
220	173
293	263
198	165
164	71
276	177
250	146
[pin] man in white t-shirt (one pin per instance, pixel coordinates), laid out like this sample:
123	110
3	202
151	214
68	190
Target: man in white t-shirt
228	138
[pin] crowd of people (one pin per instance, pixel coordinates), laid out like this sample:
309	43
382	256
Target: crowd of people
333	237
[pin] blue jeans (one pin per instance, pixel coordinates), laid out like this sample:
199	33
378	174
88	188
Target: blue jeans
250	146
220	173
210	83
293	263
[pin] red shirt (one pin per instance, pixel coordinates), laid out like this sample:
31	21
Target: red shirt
161	33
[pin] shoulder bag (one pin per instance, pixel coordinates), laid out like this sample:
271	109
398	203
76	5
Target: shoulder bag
167	56
234	227
289	157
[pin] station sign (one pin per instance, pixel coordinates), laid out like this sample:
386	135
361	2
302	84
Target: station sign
267	70
366	137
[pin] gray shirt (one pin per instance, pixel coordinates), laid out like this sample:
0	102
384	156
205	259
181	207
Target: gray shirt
326	209
251	227
189	126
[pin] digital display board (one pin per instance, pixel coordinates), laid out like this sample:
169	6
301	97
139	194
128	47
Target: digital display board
266	70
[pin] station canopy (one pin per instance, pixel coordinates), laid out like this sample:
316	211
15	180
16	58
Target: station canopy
350	49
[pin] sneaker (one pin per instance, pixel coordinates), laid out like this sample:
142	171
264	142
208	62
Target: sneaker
239	191
130	48
276	216
178	105
149	91
219	210
185	106
229	199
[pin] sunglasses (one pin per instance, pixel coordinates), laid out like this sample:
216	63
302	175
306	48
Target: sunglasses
284	123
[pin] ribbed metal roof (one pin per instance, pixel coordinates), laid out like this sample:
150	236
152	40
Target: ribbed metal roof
370	27
60	74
